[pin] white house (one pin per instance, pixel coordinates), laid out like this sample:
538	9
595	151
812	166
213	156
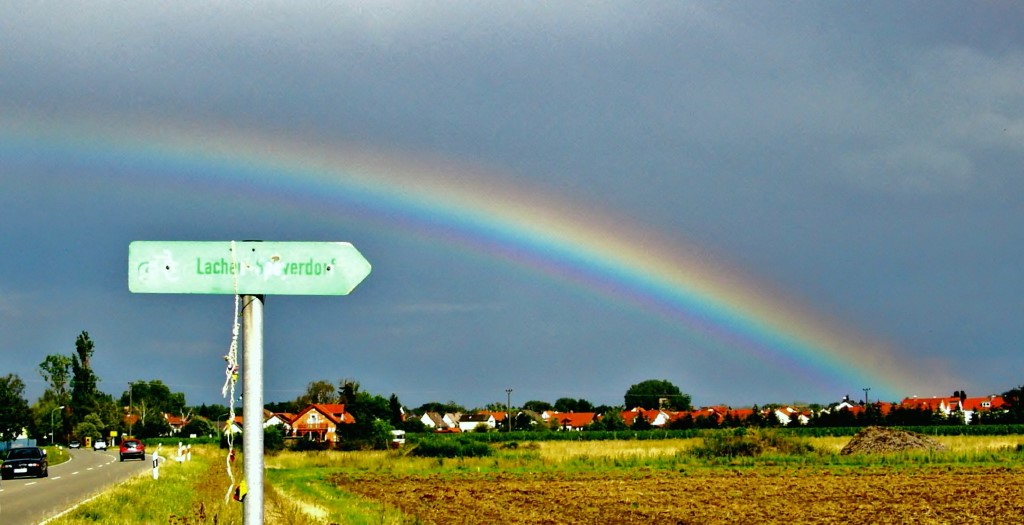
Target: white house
785	415
469	422
432	420
435	421
280	419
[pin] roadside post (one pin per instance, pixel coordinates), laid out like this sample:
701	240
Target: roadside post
156	461
250	269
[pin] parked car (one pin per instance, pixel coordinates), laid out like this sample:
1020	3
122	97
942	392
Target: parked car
25	461
75	444
132	448
99	444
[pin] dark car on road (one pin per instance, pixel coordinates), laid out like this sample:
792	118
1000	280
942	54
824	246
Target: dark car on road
25	461
132	448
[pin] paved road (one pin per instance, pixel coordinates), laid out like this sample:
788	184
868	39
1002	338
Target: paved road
27	501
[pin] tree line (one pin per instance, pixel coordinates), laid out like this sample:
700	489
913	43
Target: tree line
73	407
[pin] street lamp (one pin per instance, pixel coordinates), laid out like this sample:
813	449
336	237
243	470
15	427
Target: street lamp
51	421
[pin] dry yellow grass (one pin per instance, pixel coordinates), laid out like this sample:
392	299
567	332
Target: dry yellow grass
979	443
954	444
558	451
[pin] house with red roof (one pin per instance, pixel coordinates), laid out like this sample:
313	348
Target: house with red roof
657	418
737	414
571	420
130	420
718	414
320	422
499	417
175	422
951	404
280	419
975	404
787	415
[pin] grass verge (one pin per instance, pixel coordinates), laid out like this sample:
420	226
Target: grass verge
186	493
192	493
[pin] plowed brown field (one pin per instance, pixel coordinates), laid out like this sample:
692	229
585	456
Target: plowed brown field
944	495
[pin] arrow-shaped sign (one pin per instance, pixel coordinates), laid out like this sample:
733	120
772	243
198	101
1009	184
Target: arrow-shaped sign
245	267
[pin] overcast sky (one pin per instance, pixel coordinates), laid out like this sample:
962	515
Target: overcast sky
862	160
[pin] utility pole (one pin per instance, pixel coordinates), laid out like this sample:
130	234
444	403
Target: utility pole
866	390
508	408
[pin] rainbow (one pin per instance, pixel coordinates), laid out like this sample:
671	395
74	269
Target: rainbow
471	209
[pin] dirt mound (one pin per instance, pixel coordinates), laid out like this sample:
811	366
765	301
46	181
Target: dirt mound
881	440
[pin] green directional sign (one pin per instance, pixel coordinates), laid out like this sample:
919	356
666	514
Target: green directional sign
245	267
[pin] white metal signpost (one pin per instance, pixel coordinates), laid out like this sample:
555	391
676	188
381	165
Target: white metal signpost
251	269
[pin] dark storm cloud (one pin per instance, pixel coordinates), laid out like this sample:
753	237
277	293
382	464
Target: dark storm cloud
863	157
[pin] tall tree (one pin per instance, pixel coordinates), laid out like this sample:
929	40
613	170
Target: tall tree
396	411
450	407
273	406
366	408
91	427
611	420
83	386
56	371
347	391
14	414
568	404
214	411
317	392
1014	404
150	400
537	406
655	393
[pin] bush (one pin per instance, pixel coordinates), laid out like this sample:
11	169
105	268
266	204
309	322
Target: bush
451	448
305	445
273	439
749	443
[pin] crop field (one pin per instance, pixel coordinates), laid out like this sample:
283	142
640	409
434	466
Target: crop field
759	495
974	480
